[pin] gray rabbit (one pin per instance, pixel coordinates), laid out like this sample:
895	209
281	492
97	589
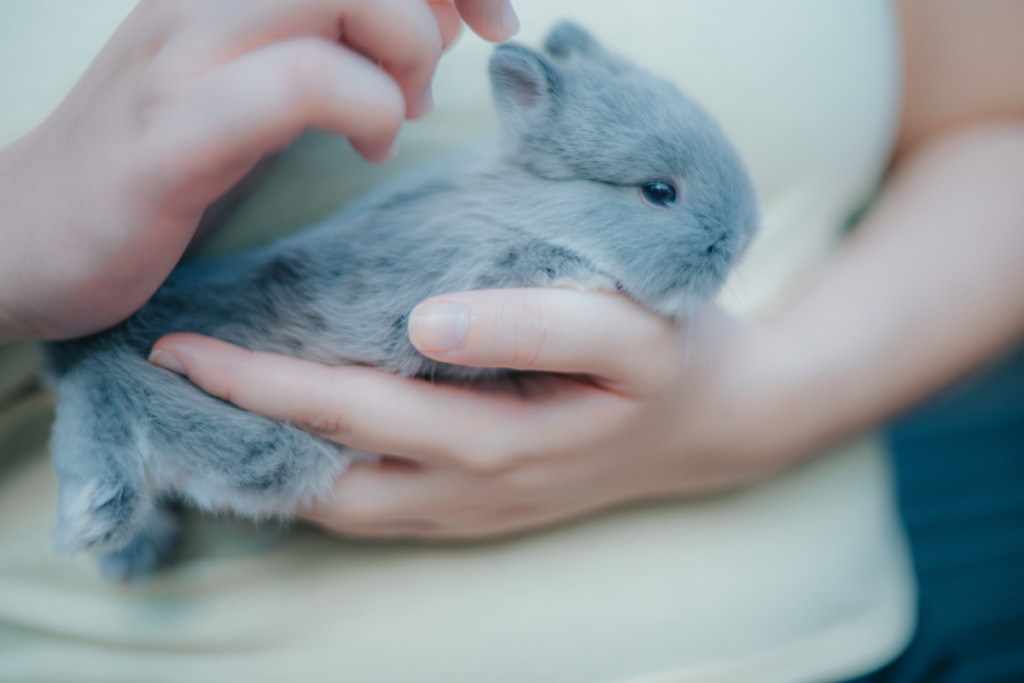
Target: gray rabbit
607	177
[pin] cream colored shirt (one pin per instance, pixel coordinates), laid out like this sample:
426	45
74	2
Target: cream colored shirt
803	577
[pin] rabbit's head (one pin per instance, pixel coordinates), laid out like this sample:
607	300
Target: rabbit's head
662	199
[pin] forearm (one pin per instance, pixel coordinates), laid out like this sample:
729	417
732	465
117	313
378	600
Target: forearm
926	288
66	266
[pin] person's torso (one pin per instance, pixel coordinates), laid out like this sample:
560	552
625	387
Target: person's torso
801	577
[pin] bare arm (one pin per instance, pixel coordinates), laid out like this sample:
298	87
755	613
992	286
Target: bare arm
931	283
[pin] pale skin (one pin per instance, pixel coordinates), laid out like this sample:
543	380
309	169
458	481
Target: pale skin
100	201
927	287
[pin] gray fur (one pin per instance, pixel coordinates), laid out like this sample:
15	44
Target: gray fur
558	202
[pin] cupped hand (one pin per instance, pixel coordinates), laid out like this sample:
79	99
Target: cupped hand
619	405
98	203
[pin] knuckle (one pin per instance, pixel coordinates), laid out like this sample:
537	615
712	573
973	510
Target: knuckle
323	421
421	44
524	327
308	70
489	461
390	110
217	384
231	382
422	51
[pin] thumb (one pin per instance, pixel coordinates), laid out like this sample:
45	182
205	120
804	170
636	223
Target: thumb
549	330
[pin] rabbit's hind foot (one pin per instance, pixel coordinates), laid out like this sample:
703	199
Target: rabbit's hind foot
154	545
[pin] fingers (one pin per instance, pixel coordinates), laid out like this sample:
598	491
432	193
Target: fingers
374	496
552	330
353	67
447	17
377	502
265	98
378	412
405	39
494	20
401	36
333	402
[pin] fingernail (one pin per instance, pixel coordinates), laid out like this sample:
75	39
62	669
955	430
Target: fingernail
438	328
167	362
509	25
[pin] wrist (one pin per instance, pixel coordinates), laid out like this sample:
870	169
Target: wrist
767	387
743	390
809	386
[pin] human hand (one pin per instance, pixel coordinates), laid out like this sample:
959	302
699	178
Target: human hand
625	406
99	202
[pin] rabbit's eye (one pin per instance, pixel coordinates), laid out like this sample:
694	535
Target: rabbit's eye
659	193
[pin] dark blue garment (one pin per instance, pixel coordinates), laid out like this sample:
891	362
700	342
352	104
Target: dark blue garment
960	475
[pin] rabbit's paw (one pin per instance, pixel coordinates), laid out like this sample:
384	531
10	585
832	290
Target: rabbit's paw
98	515
155	544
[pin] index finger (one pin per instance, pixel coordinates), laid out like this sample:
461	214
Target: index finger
378	412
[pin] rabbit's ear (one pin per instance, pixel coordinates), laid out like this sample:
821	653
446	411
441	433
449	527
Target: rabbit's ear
525	85
567	39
